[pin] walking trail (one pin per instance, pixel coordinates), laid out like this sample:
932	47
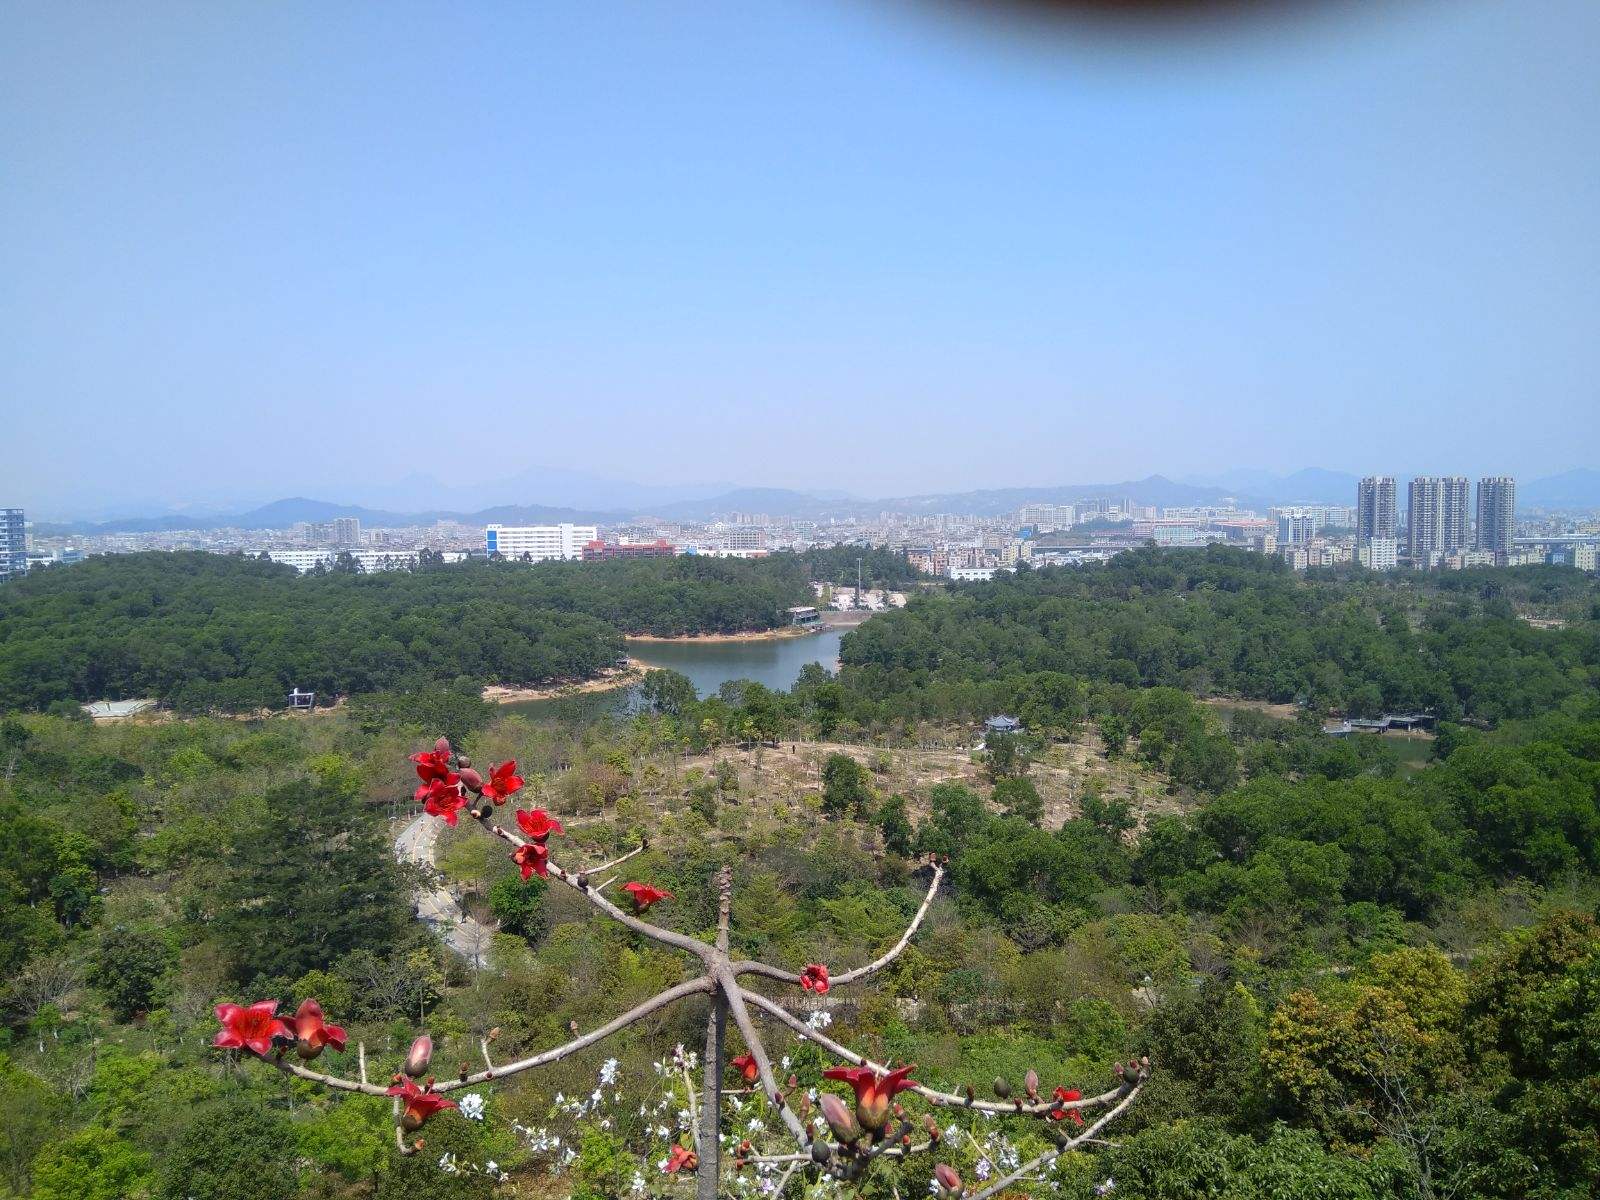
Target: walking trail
436	906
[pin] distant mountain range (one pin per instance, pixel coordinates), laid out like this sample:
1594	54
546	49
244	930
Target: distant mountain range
1578	488
281	514
1249	489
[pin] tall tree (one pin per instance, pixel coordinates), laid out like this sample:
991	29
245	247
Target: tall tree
311	880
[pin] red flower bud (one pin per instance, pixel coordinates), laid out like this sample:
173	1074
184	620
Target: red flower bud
681	1159
420	1055
442	746
472	779
745	1064
946	1177
837	1114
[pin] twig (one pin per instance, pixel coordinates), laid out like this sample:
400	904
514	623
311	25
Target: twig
694	1104
784	1182
333	1081
1049	1156
876	965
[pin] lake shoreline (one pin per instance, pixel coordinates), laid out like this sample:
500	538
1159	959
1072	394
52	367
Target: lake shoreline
606	681
751	635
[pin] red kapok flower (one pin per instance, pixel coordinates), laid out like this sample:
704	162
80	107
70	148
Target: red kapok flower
429	786
502	782
1067	1096
250	1028
534	859
814	978
420	1103
747	1067
644	895
680	1159
314	1033
444	800
431	764
537	823
873	1091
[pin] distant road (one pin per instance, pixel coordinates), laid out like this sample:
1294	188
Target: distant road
437	907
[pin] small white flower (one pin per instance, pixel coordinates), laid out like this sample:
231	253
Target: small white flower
1106	1188
820	1019
608	1072
472	1106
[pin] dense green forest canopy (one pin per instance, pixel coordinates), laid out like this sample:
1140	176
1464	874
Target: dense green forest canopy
1222	621
203	631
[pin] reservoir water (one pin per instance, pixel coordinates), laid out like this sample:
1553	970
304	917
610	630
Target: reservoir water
775	663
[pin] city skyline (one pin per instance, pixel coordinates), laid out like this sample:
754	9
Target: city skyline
879	249
1576	489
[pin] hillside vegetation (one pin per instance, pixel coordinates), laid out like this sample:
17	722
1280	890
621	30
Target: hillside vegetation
1357	975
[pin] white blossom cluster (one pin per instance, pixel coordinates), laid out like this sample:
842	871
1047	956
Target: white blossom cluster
451	1165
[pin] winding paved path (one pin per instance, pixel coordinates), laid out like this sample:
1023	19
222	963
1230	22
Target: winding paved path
437	906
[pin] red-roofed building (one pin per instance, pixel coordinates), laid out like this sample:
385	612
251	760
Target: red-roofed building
660	548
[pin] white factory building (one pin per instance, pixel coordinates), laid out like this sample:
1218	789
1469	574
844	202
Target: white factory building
538	542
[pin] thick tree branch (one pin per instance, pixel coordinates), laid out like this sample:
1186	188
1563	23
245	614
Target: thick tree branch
747	1029
1016	1108
656	1002
771	972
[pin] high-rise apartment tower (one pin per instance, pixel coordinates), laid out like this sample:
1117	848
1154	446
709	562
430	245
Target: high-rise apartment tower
1436	518
13	543
1497	510
1375	508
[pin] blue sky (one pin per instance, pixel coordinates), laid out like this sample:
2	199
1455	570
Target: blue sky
253	250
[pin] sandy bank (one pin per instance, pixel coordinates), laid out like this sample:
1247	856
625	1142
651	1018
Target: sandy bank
754	635
607	680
